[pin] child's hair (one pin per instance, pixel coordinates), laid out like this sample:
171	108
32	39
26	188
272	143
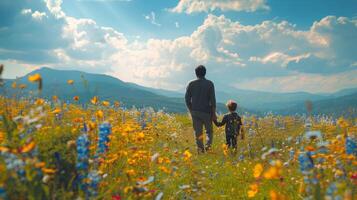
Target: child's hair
231	105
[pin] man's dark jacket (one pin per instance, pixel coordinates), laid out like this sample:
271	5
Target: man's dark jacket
200	96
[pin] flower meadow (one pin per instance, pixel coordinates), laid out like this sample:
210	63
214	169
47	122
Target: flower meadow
57	149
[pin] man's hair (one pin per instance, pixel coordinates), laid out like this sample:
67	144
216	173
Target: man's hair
200	71
231	105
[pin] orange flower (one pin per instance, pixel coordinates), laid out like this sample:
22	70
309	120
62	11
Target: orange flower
40	165
39	102
94	100
116	104
28	147
253	190
2	136
258	169
48	170
34	78
14	85
56	111
4	149
276	196
105	103
54	98
164	169
76	98
310	148
70	82
22	86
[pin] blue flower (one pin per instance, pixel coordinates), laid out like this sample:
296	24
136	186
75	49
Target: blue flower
306	162
82	152
351	147
94	179
105	130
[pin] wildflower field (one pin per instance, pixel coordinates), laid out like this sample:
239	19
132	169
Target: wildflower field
99	150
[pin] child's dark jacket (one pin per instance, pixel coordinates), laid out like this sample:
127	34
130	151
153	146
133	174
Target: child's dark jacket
233	123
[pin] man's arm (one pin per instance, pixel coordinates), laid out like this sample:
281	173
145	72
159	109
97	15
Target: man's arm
188	97
213	102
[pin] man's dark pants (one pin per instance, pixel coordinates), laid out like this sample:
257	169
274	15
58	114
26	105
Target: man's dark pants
200	119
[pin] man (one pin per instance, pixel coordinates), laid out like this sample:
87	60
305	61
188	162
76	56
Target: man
201	102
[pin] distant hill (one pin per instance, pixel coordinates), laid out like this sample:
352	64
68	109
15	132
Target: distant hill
106	87
87	85
338	106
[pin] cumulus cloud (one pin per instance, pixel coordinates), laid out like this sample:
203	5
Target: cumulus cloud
297	81
235	54
35	15
191	6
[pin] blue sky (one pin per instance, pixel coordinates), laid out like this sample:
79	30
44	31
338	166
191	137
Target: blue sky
279	46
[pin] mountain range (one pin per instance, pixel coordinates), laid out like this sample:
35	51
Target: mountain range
87	85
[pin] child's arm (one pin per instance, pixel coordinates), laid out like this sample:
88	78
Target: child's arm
242	132
241	129
219	124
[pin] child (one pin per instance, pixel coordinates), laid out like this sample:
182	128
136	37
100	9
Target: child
233	124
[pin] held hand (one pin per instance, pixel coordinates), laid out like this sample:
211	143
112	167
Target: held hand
214	117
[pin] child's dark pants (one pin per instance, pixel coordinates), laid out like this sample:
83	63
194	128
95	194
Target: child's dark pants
231	141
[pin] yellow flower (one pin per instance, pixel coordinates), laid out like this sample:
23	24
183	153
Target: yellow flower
92	125
70	82
140	136
130	172
272	173
187	155
28	147
94	100
35	78
253	190
225	149
342	122
105	103
99	114
258	169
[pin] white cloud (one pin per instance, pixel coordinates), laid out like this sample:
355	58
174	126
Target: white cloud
302	81
191	6
152	18
232	52
37	15
54	7
279	58
26	11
